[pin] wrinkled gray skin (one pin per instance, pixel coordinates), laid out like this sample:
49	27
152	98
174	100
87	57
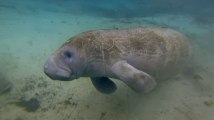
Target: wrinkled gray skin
135	56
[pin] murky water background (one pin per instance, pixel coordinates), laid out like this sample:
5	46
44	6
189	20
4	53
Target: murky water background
30	30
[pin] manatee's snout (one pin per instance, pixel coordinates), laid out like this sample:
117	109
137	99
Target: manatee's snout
56	71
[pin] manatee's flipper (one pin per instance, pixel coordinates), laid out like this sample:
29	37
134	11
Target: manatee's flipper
137	80
104	84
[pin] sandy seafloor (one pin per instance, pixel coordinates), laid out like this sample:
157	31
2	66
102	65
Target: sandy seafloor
27	38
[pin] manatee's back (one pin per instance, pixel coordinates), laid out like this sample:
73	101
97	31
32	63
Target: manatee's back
158	51
177	55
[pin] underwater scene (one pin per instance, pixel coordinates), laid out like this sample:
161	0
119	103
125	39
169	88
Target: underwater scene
32	30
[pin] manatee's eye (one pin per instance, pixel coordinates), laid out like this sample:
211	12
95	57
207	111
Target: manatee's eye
68	54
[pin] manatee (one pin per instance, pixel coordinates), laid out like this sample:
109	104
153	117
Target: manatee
138	57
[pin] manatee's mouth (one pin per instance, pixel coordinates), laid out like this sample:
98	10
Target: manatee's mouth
57	71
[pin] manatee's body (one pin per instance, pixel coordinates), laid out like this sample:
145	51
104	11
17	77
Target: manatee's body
135	56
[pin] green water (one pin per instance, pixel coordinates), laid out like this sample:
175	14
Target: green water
30	31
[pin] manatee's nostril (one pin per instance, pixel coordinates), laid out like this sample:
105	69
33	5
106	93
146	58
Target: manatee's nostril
46	66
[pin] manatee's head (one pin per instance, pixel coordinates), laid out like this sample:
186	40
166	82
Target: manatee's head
65	64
